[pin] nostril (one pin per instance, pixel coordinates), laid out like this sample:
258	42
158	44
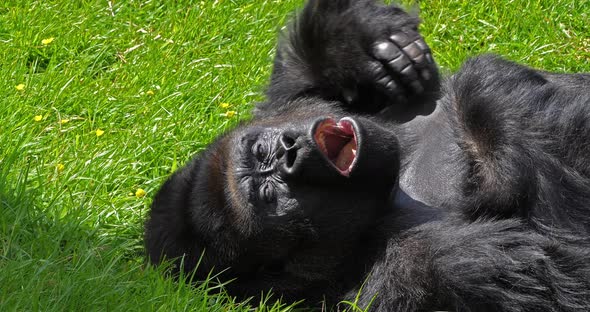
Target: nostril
290	158
288	152
288	141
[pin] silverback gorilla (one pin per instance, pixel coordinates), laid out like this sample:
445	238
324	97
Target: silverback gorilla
364	173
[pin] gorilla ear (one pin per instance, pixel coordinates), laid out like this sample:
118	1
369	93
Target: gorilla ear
166	230
184	215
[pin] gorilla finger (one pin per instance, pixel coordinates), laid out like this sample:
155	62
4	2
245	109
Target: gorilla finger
401	38
400	63
423	58
404	70
414	46
422	45
410	77
413	51
376	70
419	52
386	51
388	84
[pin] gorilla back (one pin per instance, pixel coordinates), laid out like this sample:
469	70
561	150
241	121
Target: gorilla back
363	169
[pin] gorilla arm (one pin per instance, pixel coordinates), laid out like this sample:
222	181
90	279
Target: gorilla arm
365	55
483	266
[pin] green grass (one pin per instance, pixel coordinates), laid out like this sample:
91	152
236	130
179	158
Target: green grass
153	75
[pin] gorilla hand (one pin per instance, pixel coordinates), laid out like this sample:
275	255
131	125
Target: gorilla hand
334	52
405	65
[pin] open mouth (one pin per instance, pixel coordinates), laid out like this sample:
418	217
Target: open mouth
338	142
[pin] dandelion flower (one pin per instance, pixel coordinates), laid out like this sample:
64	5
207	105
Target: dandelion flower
47	41
20	86
60	167
230	114
38	118
99	132
224	105
140	193
149	92
64	121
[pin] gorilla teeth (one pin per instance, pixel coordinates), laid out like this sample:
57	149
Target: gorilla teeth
338	142
346	156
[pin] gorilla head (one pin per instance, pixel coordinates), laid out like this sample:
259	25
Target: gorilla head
268	198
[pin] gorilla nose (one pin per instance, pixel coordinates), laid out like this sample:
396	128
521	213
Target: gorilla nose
289	150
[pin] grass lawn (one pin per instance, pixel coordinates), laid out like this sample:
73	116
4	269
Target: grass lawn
101	100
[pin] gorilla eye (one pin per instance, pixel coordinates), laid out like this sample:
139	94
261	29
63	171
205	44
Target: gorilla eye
259	151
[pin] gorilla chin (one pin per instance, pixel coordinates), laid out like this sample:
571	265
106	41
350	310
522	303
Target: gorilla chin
363	177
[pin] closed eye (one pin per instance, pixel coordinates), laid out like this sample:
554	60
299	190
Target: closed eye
260	151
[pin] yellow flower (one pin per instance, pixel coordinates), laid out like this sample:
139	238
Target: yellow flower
230	114
99	132
149	92
64	121
47	41
60	167
140	193
38	118
224	105
20	87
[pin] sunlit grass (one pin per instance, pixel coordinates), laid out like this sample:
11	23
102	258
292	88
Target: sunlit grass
101	100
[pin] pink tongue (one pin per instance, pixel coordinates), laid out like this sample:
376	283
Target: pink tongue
346	156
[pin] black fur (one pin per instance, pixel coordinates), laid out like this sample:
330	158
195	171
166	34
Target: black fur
468	194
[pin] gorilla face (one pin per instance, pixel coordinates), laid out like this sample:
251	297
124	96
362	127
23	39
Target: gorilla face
270	194
271	168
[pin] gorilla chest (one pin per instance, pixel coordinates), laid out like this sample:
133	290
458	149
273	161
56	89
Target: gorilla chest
431	172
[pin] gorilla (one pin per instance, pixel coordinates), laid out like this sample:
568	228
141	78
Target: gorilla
365	176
